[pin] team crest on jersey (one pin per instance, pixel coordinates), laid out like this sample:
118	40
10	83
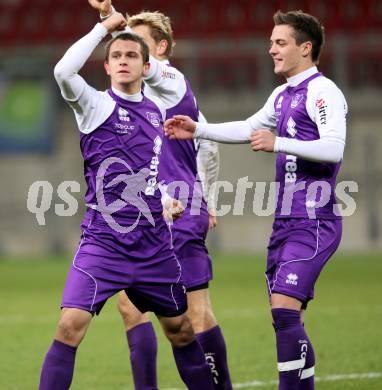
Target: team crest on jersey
153	117
297	98
123	115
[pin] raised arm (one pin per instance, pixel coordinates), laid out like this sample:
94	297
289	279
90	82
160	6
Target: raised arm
91	107
66	71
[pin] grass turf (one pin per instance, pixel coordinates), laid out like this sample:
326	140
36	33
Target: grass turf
344	323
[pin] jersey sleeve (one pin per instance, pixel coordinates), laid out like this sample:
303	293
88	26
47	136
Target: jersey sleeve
168	82
327	108
91	107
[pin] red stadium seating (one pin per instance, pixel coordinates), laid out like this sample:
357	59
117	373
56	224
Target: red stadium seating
47	21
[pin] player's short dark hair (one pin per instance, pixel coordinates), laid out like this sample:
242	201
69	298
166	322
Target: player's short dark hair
307	28
126	36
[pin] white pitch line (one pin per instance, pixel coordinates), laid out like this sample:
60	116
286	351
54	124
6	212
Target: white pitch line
329	378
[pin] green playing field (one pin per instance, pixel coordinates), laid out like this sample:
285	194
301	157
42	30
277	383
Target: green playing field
344	323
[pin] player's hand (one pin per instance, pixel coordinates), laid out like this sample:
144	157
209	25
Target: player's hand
180	127
102	6
173	209
263	140
116	22
212	220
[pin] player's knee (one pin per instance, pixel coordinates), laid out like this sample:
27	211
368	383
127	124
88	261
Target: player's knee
179	331
70	331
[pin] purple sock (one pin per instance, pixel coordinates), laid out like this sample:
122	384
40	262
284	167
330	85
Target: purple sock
192	366
292	347
57	370
215	351
307	374
143	355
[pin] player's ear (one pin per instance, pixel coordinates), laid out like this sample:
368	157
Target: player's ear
306	48
106	66
146	68
162	47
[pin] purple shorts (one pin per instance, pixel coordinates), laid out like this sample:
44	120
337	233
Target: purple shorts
141	262
297	252
189	234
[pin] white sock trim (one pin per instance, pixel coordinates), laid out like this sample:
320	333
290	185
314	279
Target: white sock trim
307	373
291	365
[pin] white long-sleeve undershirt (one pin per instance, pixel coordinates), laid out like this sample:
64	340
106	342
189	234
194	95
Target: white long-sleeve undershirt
332	132
66	70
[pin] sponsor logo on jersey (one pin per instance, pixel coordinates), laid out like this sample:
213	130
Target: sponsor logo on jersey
168	75
297	98
292	279
279	102
123	129
321	105
290	169
123	115
154	165
291	129
153	117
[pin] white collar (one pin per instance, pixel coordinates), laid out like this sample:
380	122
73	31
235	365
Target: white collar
137	97
165	61
300	77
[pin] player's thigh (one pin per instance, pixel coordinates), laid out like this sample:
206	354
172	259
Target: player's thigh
281	301
130	314
200	310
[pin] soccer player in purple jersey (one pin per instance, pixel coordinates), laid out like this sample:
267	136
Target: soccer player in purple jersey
125	243
309	114
178	164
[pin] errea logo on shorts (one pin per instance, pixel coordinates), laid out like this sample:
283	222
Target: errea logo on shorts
292	279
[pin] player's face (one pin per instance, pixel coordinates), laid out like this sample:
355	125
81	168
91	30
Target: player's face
157	50
125	65
288	57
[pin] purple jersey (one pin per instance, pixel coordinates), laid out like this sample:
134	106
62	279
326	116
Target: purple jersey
179	171
122	154
303	184
179	163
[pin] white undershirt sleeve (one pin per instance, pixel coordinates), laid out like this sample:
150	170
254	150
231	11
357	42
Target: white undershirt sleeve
321	150
91	107
208	167
240	132
229	132
66	71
